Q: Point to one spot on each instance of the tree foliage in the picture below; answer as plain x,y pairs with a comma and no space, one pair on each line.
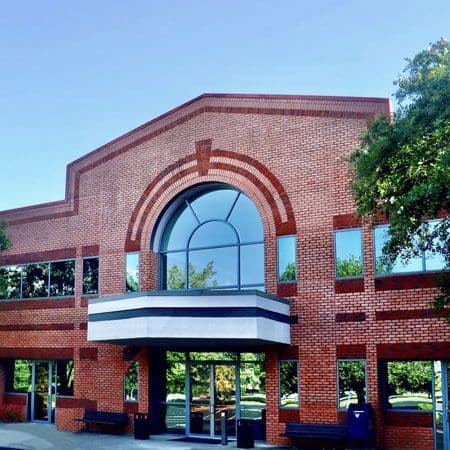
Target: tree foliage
288,273
402,168
176,278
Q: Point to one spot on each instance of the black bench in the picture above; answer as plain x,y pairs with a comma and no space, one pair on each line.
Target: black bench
111,419
303,432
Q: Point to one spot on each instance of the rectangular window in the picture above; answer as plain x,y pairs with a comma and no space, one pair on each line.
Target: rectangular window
35,280
22,375
348,254
352,386
288,379
11,282
90,276
131,384
132,272
287,260
409,385
424,262
62,278
65,377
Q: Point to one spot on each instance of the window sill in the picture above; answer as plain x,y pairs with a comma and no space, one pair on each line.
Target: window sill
37,303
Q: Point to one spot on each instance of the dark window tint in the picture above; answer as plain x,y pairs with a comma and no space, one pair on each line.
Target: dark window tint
131,386
62,278
65,377
10,282
90,276
35,280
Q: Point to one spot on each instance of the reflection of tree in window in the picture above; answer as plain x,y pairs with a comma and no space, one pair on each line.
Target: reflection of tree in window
352,382
409,385
177,279
65,377
350,267
62,278
214,239
90,276
35,280
10,278
131,382
288,384
22,375
289,272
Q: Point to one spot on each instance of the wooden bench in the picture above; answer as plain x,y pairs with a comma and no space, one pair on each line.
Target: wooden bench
111,419
325,433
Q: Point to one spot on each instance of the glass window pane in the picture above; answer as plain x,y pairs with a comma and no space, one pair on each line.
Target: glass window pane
348,258
213,267
213,356
213,233
435,261
179,229
131,385
35,280
90,276
214,204
132,272
381,235
22,375
288,377
176,396
247,221
175,270
253,390
252,264
62,278
352,383
409,385
10,282
65,377
287,267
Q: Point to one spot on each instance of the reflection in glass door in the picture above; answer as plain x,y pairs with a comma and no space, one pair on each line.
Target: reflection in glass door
212,392
225,398
43,397
441,395
200,398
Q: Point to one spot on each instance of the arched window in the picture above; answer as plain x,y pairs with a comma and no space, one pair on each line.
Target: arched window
213,239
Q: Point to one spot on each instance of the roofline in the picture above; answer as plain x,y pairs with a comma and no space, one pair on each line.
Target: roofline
325,98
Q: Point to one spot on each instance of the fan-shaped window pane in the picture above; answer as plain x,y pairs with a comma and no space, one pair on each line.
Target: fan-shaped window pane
213,233
179,229
213,267
214,204
252,264
245,218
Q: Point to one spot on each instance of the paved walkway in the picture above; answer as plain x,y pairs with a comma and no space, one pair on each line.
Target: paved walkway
33,436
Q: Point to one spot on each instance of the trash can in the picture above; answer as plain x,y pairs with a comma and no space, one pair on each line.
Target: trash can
245,434
141,426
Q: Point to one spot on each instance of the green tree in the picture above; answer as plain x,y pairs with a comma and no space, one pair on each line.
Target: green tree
402,168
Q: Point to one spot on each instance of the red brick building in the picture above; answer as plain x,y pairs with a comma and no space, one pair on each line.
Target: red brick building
210,260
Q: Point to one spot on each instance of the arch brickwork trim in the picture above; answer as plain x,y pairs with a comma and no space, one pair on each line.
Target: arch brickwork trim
205,165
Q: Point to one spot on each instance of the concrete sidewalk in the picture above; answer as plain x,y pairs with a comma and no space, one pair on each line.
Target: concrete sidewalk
33,436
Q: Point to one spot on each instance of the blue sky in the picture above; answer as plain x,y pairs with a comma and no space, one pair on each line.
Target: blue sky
76,74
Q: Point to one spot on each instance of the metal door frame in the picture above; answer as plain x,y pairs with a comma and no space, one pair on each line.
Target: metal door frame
51,367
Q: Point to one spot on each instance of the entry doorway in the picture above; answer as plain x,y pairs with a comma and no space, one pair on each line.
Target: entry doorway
200,387
43,391
441,405
212,389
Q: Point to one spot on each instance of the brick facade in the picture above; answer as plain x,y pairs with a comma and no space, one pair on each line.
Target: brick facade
288,154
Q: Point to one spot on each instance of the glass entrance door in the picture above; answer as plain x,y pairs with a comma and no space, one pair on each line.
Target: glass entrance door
212,392
441,396
43,396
